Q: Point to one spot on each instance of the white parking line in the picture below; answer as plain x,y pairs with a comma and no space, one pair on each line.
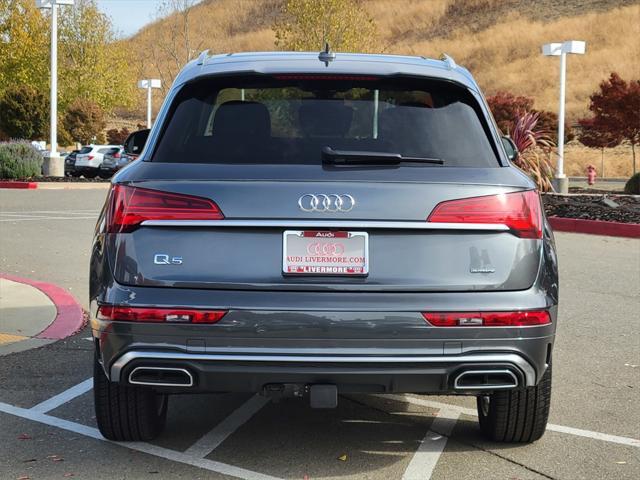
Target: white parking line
425,459
44,214
23,212
64,397
26,219
161,452
421,466
605,437
209,442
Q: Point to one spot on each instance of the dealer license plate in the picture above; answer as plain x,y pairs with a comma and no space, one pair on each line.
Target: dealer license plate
314,252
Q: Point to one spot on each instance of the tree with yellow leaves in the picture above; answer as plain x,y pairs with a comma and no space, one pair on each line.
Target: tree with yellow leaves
23,46
92,64
306,25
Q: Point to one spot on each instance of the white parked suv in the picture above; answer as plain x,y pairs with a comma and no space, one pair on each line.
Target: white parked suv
89,159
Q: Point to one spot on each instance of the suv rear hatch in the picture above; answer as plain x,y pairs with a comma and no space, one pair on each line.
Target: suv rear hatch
238,194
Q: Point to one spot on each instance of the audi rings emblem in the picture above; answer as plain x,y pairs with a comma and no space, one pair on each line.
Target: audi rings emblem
325,249
320,202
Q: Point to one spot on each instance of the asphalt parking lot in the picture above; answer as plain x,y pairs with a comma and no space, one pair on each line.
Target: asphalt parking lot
47,428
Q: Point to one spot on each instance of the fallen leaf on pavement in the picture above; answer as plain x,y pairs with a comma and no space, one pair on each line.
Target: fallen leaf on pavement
343,457
24,436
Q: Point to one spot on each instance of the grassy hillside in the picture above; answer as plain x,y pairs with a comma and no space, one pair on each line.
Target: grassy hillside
498,40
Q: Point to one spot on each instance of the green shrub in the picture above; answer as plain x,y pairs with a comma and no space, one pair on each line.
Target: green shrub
19,160
632,186
24,113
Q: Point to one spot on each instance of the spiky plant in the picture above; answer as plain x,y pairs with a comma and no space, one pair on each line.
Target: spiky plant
534,146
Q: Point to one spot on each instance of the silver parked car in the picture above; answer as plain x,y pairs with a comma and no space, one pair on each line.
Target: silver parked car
307,225
89,159
114,159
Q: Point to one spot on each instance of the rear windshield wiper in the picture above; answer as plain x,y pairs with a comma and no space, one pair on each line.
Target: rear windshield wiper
354,157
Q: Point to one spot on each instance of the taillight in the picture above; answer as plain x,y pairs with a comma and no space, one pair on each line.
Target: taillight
520,211
90,157
116,155
159,315
488,319
130,206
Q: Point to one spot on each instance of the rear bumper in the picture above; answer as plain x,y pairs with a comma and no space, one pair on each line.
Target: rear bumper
365,342
108,168
85,169
383,374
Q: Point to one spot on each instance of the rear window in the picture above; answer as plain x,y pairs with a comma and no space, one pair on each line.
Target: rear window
85,150
289,119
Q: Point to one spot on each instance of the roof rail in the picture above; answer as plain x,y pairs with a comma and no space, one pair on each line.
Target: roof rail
202,57
449,62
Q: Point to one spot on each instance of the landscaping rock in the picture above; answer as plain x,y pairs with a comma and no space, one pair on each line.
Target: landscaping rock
593,207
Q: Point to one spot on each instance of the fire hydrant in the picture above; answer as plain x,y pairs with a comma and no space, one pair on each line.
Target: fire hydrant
591,174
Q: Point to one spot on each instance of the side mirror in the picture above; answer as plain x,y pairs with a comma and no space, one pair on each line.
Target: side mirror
134,144
510,148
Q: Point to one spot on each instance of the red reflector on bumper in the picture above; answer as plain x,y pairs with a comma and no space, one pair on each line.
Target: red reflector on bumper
159,315
487,319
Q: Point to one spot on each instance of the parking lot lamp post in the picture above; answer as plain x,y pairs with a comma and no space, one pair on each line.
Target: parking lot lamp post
149,84
561,182
53,163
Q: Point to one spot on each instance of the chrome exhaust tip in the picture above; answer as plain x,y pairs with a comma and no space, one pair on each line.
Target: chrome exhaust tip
161,377
485,380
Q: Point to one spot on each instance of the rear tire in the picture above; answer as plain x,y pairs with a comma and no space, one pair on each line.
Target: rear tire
518,416
127,413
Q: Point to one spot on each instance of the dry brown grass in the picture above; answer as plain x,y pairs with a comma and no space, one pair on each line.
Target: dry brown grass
506,56
617,161
498,40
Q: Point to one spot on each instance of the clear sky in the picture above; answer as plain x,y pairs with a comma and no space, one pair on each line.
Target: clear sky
129,15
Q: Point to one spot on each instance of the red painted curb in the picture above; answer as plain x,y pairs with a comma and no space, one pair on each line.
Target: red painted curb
69,318
595,227
17,184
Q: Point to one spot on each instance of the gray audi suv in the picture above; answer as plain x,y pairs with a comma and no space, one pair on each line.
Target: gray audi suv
312,225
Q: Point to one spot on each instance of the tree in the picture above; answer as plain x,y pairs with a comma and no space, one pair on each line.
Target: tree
23,41
595,135
24,113
179,45
91,62
117,137
505,107
616,109
84,120
308,24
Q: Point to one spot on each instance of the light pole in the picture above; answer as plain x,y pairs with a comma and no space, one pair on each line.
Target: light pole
149,84
553,50
53,164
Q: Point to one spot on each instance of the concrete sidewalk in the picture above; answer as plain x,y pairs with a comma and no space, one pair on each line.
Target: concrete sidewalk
28,310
